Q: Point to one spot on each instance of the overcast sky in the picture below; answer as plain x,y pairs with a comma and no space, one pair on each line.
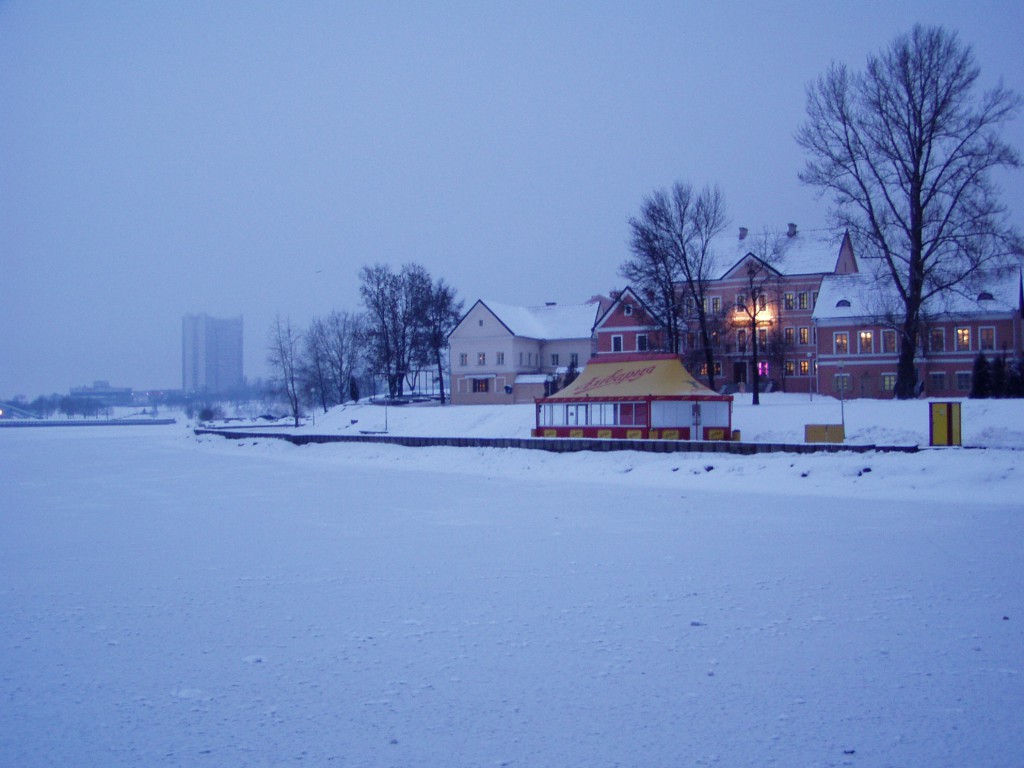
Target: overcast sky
245,158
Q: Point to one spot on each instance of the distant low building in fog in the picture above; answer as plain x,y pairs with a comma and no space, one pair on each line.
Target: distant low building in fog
211,354
103,394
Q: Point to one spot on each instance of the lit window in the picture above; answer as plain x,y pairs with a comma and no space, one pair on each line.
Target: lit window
790,367
805,335
716,304
867,342
805,367
963,339
789,300
803,300
888,382
842,382
841,343
480,385
762,338
762,367
789,336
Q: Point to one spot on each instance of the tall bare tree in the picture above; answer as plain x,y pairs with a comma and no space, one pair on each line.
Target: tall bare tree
441,313
344,334
395,305
907,149
673,259
761,279
283,356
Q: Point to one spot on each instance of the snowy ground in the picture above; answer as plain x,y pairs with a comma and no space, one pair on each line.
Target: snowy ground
173,600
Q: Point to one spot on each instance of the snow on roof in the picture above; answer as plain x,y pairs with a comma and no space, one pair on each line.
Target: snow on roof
551,321
805,253
864,295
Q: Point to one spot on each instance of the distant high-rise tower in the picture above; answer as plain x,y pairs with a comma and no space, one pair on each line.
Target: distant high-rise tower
211,354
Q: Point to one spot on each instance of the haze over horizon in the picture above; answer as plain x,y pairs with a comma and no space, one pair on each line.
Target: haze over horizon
159,160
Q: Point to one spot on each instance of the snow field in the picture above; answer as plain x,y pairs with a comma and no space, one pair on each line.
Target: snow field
173,600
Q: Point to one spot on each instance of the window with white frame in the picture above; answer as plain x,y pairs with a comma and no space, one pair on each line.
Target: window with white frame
805,367
842,382
936,339
867,342
987,338
803,299
641,342
963,339
789,300
936,381
889,342
963,381
554,359
841,342
716,304
481,358
500,358
789,336
463,358
616,343
888,382
805,335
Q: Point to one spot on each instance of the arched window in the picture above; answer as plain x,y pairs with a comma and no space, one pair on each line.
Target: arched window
985,296
843,303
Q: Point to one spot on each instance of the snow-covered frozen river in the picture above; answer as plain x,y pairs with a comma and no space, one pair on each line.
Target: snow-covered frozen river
168,600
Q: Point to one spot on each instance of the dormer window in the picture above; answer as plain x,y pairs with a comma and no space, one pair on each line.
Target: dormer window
985,296
843,303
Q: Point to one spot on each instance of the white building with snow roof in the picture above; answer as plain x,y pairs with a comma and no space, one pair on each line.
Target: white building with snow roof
503,354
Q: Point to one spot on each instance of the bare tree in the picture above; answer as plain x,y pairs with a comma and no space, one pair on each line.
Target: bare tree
761,279
395,305
344,344
907,149
441,313
315,365
283,357
673,259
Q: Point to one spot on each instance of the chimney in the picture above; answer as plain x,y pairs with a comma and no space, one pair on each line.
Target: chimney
792,230
743,233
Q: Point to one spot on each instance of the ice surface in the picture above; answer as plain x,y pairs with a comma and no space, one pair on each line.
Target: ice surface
173,600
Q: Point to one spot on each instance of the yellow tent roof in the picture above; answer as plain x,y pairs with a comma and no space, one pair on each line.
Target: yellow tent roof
634,376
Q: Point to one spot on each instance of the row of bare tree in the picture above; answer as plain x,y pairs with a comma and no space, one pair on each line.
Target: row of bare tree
907,149
403,329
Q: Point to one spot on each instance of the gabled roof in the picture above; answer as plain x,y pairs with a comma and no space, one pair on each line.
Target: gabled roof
627,296
864,295
551,321
805,253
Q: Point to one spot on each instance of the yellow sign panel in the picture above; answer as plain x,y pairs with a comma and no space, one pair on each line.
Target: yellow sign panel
634,434
944,424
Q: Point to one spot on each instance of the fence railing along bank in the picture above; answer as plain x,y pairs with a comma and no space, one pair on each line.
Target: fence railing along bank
565,445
